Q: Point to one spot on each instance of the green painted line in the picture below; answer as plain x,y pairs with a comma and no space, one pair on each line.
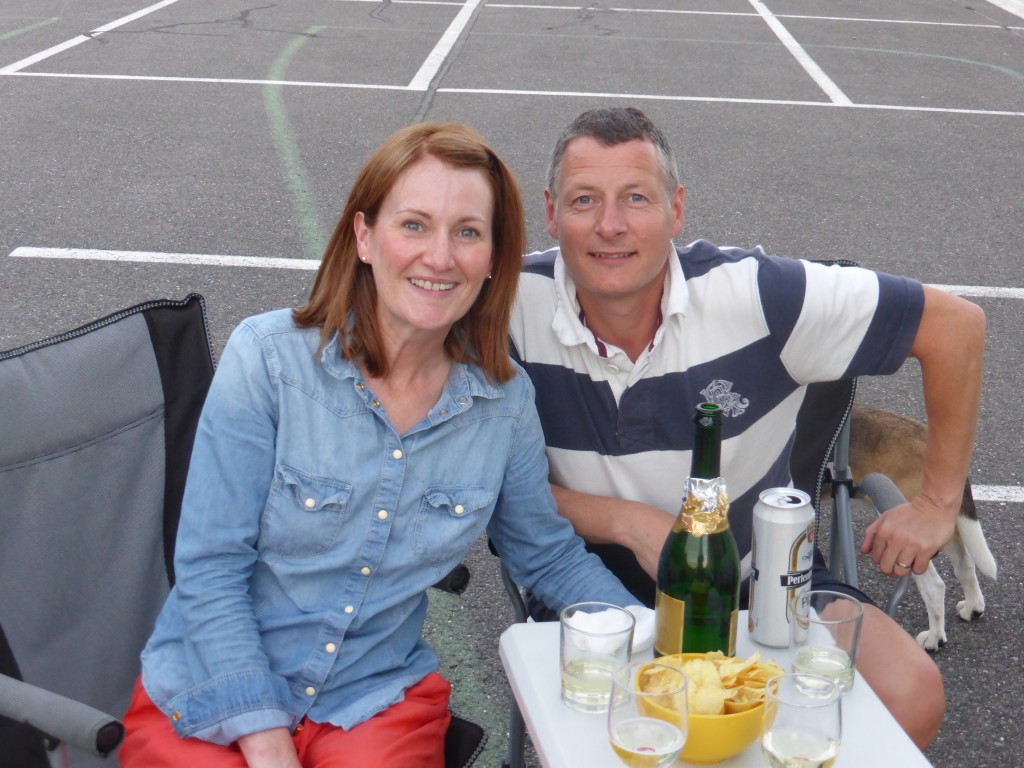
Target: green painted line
29,28
1005,70
313,233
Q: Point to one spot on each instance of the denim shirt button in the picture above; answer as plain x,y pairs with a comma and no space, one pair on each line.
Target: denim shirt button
383,514
376,403
176,717
397,453
310,503
365,570
463,400
311,691
459,509
444,412
330,647
349,609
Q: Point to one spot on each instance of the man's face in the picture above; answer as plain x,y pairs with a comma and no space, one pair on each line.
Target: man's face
614,219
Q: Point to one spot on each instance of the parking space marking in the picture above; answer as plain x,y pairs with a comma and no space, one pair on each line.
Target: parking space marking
27,252
155,257
37,57
726,100
1015,7
215,80
1010,493
434,62
983,291
833,91
436,58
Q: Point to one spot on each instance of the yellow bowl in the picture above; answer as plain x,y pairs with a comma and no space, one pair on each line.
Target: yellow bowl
713,738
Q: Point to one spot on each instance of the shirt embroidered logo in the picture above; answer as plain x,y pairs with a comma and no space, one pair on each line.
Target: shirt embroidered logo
720,393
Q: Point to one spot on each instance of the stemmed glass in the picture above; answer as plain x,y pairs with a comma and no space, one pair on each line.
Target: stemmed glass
647,715
802,722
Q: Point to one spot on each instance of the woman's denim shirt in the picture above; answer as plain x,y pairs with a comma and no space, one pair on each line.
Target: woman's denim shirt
310,532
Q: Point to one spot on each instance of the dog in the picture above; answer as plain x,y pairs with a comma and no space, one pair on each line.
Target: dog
885,442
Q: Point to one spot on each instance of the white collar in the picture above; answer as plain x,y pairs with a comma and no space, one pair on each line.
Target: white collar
566,325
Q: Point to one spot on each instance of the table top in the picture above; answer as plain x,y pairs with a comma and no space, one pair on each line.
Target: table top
565,738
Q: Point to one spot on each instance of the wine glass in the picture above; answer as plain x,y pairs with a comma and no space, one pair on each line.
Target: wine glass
647,715
802,721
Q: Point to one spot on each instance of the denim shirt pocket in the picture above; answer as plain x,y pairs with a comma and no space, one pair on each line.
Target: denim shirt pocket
304,513
449,520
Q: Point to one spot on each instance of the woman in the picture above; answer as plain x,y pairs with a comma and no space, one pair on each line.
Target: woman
348,455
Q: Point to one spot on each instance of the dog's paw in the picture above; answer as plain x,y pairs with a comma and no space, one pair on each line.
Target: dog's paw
932,640
971,609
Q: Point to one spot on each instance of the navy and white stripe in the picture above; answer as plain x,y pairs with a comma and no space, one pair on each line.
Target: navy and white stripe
762,327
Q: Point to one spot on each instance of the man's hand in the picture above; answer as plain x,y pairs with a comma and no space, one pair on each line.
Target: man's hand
949,345
906,538
269,749
603,520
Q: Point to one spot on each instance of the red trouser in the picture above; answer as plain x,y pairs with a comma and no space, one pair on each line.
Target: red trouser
409,734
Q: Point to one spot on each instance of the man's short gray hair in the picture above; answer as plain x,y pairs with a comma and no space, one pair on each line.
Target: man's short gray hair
610,126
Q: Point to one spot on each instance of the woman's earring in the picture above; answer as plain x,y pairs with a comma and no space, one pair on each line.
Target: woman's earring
488,275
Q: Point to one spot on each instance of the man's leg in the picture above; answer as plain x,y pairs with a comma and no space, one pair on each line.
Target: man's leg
902,674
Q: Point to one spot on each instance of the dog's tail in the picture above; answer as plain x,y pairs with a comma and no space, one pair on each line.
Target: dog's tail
969,528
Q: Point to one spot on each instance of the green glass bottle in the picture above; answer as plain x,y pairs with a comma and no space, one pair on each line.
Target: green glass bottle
698,596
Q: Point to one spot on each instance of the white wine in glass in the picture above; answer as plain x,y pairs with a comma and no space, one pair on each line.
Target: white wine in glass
647,716
802,721
817,750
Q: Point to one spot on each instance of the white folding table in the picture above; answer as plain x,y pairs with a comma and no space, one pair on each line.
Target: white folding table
565,738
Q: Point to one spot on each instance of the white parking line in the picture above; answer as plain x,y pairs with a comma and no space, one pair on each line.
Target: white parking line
1010,493
10,69
833,91
984,291
93,254
154,257
430,67
1015,7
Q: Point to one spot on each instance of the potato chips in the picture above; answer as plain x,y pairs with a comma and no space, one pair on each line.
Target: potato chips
719,684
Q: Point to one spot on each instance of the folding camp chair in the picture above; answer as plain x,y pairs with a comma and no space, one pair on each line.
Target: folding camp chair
97,427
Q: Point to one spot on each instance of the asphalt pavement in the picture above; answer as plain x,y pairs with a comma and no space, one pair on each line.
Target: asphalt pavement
890,133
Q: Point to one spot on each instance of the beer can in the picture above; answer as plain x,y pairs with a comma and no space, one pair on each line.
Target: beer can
782,549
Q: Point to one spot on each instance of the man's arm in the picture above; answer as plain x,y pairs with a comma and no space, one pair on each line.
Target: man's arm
949,346
604,520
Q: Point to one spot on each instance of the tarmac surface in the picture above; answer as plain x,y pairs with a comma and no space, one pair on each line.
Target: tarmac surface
140,141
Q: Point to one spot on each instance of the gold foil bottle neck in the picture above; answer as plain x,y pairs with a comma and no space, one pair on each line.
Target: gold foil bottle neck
706,507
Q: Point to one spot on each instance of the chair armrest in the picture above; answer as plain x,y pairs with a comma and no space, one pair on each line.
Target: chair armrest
882,491
62,718
885,495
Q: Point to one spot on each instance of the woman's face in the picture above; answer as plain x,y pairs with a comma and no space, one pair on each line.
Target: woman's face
430,248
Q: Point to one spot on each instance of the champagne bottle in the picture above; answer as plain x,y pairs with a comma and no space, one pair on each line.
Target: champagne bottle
698,595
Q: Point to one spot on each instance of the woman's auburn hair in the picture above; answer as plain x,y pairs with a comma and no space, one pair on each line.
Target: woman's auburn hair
344,296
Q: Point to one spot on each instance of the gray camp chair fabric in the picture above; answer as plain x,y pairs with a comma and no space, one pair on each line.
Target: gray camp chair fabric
97,427
96,432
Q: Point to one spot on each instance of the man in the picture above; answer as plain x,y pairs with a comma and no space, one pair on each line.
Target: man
623,336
